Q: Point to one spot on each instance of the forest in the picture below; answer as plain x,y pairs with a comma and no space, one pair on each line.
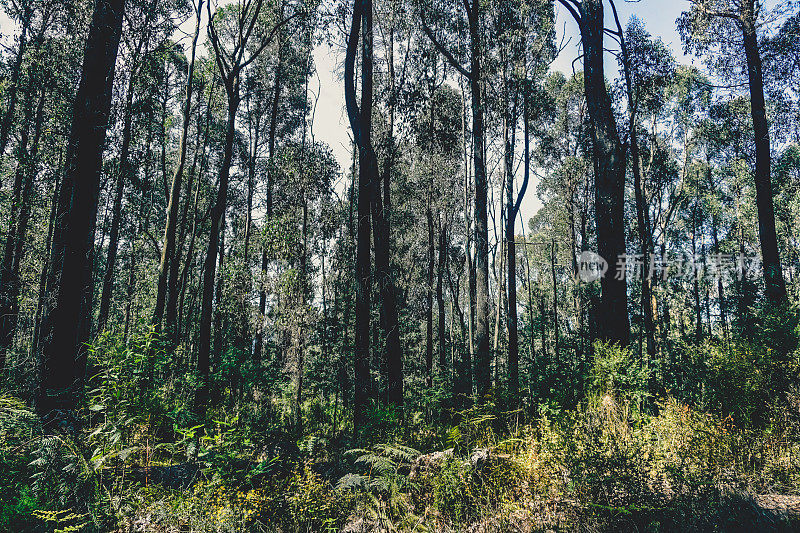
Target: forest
399,266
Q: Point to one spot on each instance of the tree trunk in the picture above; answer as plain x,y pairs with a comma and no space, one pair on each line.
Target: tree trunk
642,216
440,300
482,356
429,301
723,313
556,333
66,318
513,210
210,264
361,124
773,274
168,253
219,303
34,348
393,355
609,167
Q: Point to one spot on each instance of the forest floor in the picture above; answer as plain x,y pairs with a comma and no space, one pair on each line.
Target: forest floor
615,460
604,466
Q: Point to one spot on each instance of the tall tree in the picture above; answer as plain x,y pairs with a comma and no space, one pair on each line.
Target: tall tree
609,168
168,253
231,61
66,317
361,125
713,24
474,12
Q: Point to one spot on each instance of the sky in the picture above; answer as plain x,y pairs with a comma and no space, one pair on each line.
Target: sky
330,122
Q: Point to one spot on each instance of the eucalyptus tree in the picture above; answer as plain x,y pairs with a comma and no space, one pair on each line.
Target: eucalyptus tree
66,317
470,25
230,30
647,67
168,266
724,29
609,158
360,118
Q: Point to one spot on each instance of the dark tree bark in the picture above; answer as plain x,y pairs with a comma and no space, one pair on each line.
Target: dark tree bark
393,359
482,371
441,331
482,355
609,169
66,318
513,209
392,353
556,333
773,273
219,302
361,125
210,264
429,299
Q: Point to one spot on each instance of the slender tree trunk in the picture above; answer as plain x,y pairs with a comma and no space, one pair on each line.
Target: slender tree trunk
361,124
723,313
469,265
440,300
168,253
429,300
696,282
773,273
210,264
66,319
178,281
131,287
642,218
511,264
219,303
513,210
483,374
298,393
392,355
34,348
556,333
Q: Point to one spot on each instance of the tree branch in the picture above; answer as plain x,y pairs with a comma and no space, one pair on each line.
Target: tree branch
349,73
271,36
450,59
573,9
